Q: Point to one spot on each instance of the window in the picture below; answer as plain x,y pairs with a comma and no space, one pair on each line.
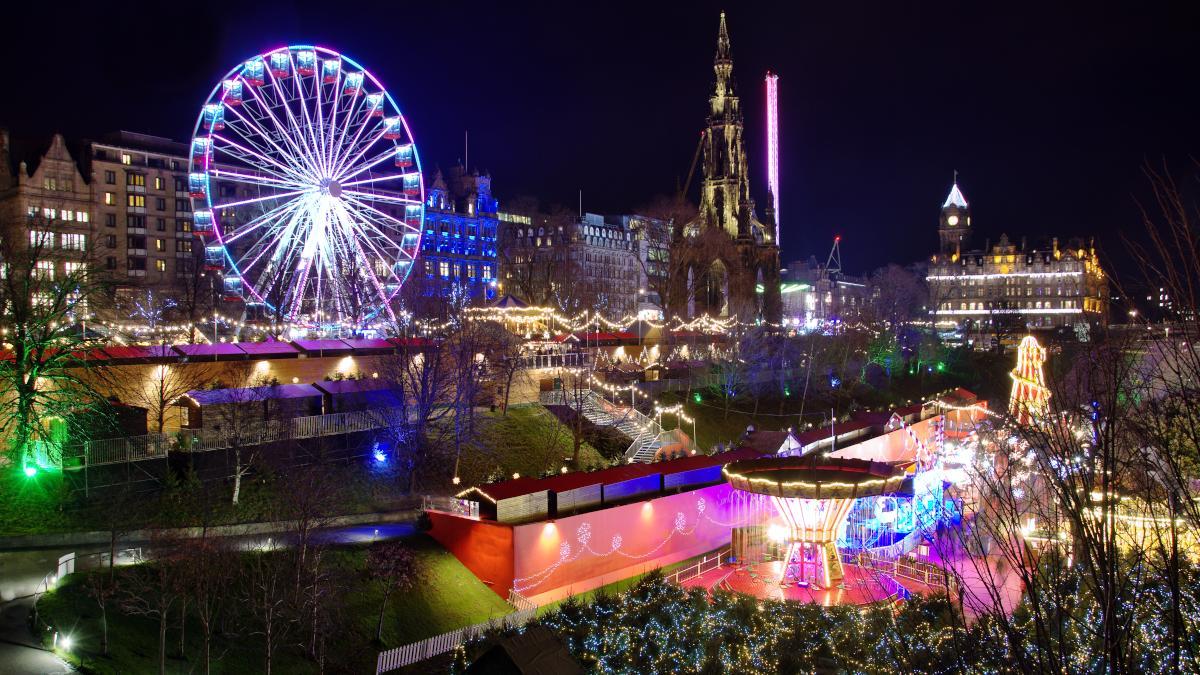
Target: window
183,226
136,263
110,177
183,205
110,241
126,159
160,204
110,263
33,211
158,183
457,269
429,267
73,242
183,246
41,238
444,268
160,244
73,267
110,198
160,265
180,185
135,201
50,213
138,222
135,179
160,224
135,242
44,269
68,215
110,220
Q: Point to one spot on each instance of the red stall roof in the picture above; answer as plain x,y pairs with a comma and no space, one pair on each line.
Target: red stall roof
361,343
577,479
268,348
140,352
412,342
219,349
322,345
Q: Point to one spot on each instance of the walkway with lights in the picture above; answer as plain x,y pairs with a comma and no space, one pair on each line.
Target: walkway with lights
860,586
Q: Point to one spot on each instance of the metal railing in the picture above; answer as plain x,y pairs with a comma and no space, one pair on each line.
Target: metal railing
706,564
156,446
568,360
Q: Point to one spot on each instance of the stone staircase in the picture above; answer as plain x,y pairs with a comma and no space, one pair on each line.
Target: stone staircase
642,431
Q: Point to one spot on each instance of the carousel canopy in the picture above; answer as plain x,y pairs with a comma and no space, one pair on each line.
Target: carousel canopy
811,478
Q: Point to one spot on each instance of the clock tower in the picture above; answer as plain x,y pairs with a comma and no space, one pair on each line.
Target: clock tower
954,227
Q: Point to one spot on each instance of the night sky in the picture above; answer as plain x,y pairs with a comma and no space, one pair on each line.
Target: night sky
1047,110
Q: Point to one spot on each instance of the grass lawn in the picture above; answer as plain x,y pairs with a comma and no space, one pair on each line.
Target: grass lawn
528,440
448,597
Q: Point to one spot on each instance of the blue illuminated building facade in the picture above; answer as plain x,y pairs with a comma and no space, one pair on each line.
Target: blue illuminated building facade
458,246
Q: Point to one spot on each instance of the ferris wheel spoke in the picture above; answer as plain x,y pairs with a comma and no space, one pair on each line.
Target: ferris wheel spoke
339,146
295,149
256,200
264,221
352,165
382,216
385,199
303,105
294,127
367,181
266,137
262,181
262,161
352,149
366,266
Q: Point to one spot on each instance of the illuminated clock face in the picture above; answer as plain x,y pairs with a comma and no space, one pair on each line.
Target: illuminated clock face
952,221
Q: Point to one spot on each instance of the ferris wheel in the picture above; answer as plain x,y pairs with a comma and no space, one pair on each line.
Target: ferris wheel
306,190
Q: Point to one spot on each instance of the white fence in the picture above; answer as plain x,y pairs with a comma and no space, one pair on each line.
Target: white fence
706,564
437,645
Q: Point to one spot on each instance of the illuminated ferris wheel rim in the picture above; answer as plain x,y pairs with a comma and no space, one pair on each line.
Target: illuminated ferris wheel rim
283,145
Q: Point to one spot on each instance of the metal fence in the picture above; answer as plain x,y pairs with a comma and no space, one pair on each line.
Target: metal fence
156,446
437,645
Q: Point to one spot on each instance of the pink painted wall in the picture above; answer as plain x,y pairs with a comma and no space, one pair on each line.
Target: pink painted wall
895,446
571,555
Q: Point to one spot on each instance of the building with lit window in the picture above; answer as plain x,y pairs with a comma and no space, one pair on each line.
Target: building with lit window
143,211
458,246
43,190
1046,286
605,252
814,295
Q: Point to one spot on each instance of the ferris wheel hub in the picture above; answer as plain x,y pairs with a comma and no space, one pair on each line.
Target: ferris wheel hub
331,187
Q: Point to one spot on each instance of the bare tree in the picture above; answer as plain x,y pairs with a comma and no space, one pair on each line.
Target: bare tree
395,566
207,567
421,377
242,419
159,392
266,591
152,587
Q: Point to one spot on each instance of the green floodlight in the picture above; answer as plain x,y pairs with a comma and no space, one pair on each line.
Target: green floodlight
30,471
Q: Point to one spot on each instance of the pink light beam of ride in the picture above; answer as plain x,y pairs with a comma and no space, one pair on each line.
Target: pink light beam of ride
773,145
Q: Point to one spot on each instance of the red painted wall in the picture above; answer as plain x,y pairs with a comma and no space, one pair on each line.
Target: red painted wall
485,548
